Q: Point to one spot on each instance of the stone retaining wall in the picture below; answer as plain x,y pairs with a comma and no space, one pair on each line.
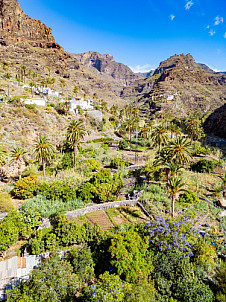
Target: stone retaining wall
108,205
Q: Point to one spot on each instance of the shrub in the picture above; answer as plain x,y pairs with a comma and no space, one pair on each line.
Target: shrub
177,234
109,288
86,192
188,197
203,166
67,161
6,203
92,164
123,144
105,147
117,162
58,190
25,187
32,107
113,120
101,187
51,208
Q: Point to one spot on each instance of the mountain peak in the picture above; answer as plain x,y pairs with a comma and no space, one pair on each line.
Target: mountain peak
16,26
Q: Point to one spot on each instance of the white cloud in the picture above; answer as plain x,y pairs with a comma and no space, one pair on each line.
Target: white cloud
172,17
189,4
218,20
207,26
141,68
225,35
212,32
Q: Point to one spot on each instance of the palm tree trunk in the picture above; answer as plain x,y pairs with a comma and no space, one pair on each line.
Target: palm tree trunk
159,147
44,168
75,153
130,137
195,146
172,207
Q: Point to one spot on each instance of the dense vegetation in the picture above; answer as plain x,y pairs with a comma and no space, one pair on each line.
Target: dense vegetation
169,252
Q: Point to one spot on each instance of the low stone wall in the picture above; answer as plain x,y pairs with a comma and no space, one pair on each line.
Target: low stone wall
108,205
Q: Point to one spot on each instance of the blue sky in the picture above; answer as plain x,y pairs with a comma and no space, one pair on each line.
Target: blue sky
140,33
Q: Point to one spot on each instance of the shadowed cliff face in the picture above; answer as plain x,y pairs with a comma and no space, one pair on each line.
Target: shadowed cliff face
16,26
215,124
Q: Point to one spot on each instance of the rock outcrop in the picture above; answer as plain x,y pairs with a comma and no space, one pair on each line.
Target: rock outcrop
106,64
215,124
16,26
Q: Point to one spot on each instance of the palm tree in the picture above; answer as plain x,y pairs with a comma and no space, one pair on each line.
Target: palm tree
130,125
180,150
8,77
174,186
159,137
76,90
43,150
32,85
114,110
23,72
49,69
17,155
172,168
62,84
75,132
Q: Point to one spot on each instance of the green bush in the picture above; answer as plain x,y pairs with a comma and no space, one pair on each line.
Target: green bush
32,107
117,162
25,187
86,192
67,161
203,166
113,120
102,187
188,197
123,144
57,190
92,164
6,203
105,147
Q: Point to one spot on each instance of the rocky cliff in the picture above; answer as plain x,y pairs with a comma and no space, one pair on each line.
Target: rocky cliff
16,26
106,64
215,124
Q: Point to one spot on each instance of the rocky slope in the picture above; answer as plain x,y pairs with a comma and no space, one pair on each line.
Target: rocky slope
215,124
106,64
196,88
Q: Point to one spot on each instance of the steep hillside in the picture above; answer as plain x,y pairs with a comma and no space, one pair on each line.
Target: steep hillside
196,88
106,65
28,42
215,124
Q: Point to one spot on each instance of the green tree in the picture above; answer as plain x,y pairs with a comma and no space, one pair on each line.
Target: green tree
17,155
76,90
43,150
129,126
53,281
175,186
129,255
180,150
8,77
159,137
62,85
75,132
32,85
23,72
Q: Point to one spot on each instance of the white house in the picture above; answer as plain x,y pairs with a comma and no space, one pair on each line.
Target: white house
84,104
38,102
